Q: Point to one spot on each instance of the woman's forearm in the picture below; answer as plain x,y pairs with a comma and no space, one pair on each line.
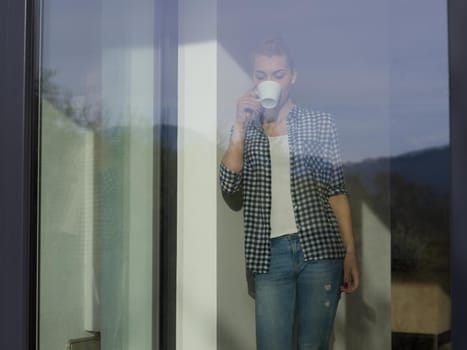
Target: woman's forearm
341,207
233,157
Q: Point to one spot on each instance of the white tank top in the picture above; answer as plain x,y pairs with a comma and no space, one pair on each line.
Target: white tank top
282,214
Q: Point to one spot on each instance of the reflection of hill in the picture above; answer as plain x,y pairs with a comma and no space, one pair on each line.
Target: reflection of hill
428,167
410,194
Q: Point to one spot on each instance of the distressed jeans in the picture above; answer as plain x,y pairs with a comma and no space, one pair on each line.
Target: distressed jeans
308,291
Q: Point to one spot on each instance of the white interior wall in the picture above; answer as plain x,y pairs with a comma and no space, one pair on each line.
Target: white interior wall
372,321
236,310
197,179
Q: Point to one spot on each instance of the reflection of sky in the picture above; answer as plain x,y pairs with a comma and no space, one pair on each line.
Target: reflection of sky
71,43
380,66
419,75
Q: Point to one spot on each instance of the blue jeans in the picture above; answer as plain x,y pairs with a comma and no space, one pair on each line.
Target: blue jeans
308,291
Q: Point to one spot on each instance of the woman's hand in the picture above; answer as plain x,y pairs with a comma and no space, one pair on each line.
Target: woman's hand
351,274
247,106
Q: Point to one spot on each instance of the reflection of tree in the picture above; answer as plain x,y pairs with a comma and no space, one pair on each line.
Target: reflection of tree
417,214
420,228
62,99
49,89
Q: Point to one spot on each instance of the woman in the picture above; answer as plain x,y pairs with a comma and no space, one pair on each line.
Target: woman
298,233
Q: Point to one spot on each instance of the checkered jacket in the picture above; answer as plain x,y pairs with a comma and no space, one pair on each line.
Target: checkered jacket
316,174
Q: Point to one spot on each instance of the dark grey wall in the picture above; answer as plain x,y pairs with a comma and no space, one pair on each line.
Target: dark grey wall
458,104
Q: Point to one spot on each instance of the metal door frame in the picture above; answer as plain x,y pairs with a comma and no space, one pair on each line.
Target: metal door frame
18,175
457,27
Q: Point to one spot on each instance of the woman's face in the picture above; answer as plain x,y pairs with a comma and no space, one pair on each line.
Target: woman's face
274,68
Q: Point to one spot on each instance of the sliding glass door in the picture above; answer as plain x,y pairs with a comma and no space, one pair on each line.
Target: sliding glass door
99,182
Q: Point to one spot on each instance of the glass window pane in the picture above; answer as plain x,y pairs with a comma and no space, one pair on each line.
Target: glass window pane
380,68
98,186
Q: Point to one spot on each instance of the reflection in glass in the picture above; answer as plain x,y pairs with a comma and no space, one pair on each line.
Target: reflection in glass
380,67
419,176
97,182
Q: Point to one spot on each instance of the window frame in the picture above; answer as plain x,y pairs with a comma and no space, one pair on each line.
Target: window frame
18,178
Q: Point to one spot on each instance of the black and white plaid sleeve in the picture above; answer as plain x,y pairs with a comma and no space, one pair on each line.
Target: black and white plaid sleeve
336,178
230,181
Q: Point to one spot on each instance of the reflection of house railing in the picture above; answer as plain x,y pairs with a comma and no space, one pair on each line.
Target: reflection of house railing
87,343
421,314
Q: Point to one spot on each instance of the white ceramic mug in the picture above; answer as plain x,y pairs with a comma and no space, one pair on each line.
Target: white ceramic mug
269,92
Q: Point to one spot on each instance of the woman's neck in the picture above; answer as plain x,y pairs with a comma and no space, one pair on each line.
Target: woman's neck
277,116
275,124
